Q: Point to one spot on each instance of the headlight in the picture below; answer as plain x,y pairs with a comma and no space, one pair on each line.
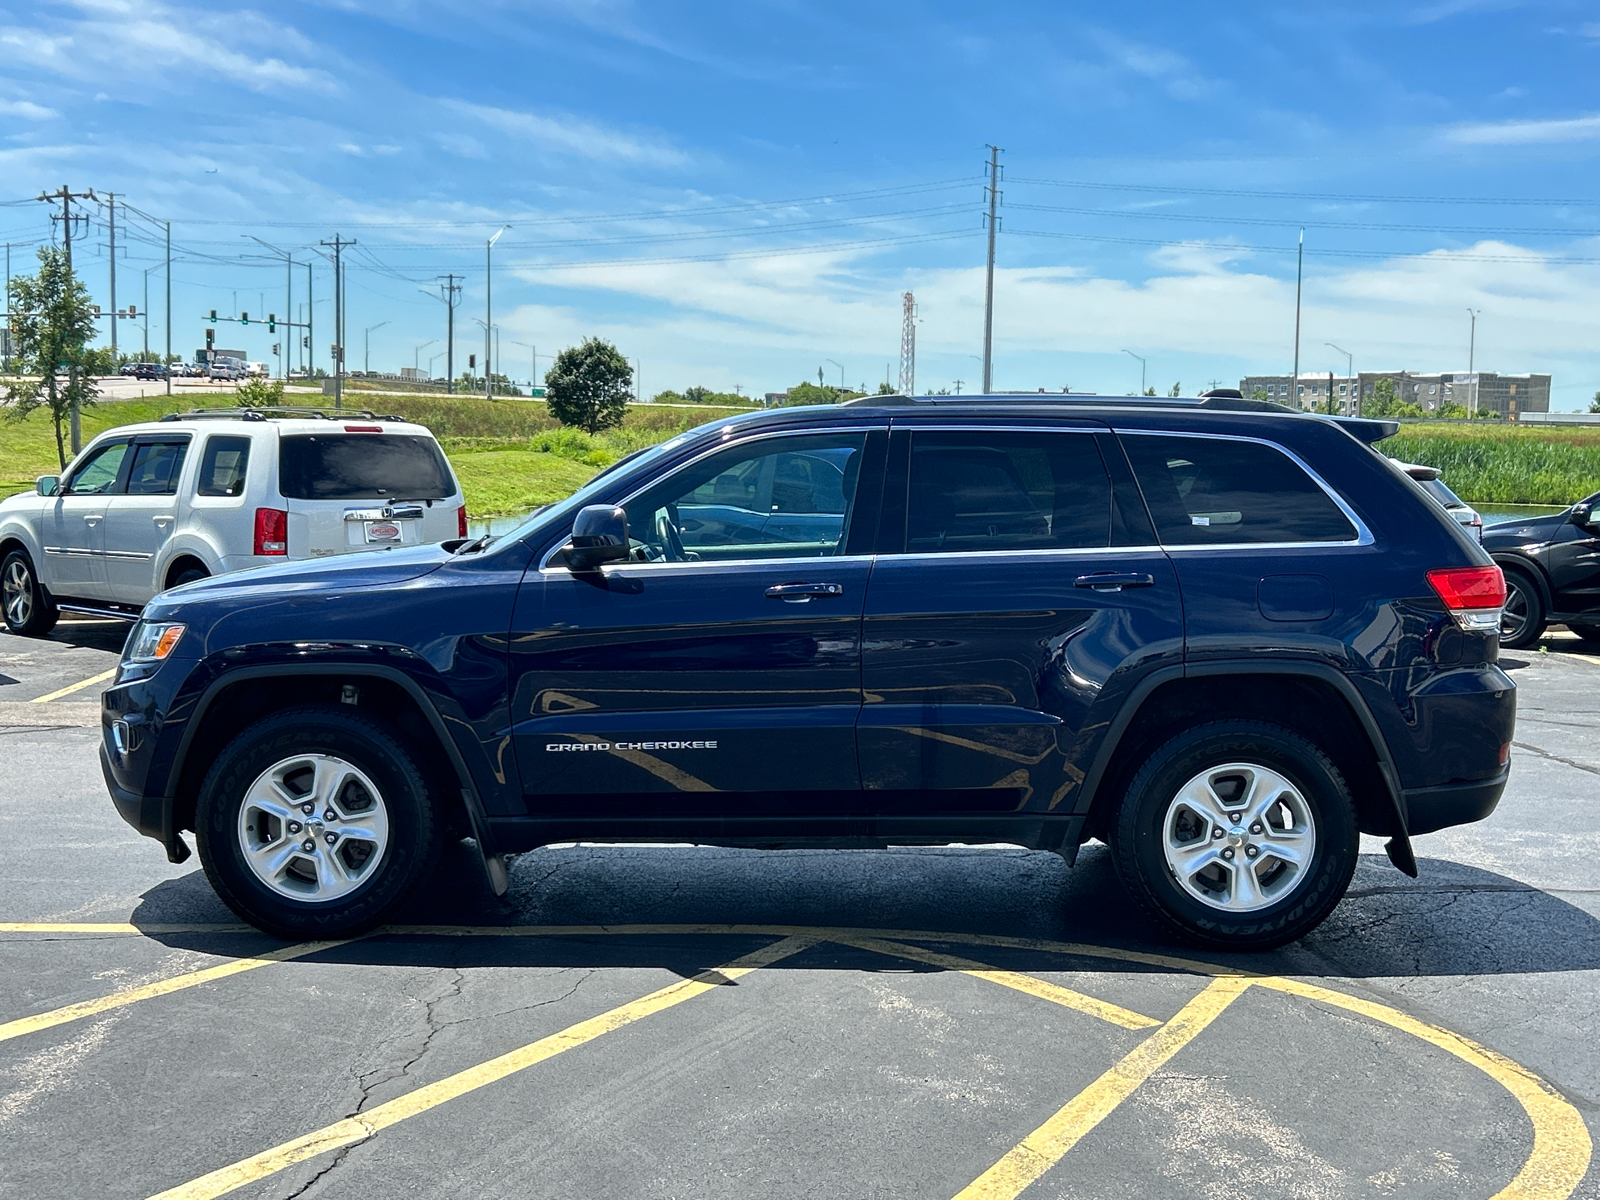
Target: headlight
152,641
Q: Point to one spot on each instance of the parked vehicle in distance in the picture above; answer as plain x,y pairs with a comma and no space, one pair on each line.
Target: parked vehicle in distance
257,370
227,368
1428,478
127,368
147,370
1221,636
152,506
1552,569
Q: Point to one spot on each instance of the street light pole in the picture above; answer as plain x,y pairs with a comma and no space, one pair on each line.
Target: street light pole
366,347
1131,354
488,309
1349,370
533,364
418,349
1299,276
831,363
1472,349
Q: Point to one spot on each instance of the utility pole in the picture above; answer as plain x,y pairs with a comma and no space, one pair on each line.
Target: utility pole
6,365
111,207
169,306
1131,354
310,343
993,191
1472,350
338,245
1299,275
449,291
1330,393
67,197
908,344
146,321
488,310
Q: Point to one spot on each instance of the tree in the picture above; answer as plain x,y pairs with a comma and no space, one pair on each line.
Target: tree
1260,393
589,386
1149,391
1385,402
1594,405
257,392
51,323
887,389
1177,390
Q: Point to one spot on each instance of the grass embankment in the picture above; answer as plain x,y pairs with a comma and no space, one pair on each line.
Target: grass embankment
1505,464
510,455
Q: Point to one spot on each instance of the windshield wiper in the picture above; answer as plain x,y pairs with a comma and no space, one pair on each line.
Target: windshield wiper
476,544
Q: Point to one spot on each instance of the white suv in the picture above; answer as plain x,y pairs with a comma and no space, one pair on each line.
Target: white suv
148,507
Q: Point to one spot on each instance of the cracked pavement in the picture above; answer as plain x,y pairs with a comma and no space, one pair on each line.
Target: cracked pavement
836,1071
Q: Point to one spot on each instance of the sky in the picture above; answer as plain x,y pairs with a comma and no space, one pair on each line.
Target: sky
739,194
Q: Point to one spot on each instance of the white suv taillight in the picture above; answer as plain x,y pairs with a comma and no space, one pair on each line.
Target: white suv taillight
272,531
1473,595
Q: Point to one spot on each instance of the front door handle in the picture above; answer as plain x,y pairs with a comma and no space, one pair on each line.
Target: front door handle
1111,581
800,593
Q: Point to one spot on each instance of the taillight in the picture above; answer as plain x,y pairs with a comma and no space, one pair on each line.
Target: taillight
461,521
272,531
1474,595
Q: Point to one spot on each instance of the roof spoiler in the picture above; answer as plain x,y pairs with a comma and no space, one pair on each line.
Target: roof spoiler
1368,429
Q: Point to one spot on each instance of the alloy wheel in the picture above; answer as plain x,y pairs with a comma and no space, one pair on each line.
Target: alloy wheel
313,828
1514,615
1239,837
16,593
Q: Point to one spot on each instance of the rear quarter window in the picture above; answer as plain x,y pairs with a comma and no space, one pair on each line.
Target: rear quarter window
1207,491
223,466
363,466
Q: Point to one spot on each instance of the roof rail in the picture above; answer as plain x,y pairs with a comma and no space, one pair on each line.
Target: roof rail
288,410
1219,402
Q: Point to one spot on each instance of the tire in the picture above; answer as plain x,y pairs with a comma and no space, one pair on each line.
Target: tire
1589,633
1522,620
192,575
383,825
1308,814
27,607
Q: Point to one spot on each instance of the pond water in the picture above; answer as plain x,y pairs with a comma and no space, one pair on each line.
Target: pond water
1492,513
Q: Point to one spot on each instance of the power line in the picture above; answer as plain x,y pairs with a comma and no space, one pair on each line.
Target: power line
1311,223
1320,196
1457,256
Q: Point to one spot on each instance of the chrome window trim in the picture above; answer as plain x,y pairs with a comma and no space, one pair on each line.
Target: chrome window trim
544,563
701,564
1363,534
1047,554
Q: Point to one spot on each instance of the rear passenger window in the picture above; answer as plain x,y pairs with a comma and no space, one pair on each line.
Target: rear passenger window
982,490
223,467
1215,491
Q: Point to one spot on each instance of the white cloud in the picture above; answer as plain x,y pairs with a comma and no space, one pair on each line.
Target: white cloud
573,135
27,110
1183,82
1524,133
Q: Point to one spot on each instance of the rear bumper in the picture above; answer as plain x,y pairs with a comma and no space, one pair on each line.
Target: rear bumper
1434,808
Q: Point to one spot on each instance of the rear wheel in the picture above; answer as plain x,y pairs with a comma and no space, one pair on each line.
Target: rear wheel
1237,834
1522,619
189,575
314,823
27,608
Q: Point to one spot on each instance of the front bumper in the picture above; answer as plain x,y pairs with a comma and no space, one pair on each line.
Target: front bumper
1433,808
150,815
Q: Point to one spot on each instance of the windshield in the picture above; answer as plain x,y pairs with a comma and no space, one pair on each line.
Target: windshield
562,509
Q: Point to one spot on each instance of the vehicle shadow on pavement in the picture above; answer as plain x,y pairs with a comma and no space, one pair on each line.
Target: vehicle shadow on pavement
91,634
1453,920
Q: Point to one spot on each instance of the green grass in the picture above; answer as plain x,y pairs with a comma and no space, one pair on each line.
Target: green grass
510,455
1504,464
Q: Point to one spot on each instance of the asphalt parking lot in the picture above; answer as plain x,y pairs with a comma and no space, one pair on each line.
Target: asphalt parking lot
682,1022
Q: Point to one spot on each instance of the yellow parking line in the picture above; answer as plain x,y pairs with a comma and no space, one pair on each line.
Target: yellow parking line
1049,1143
75,687
358,1129
162,987
1041,988
1562,1147
122,927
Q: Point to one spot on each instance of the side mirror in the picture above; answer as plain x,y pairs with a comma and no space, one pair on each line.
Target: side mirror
48,485
1580,515
599,536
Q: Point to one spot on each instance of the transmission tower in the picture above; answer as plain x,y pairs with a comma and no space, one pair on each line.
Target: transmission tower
908,347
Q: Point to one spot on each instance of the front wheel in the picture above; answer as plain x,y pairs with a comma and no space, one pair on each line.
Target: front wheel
1237,834
314,823
27,608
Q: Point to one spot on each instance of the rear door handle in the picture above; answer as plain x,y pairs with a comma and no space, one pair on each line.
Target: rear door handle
1110,581
801,592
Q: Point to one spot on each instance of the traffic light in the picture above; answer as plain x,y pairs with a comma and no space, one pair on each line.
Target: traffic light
244,318
211,338
213,316
96,312
133,312
472,362
272,323
305,341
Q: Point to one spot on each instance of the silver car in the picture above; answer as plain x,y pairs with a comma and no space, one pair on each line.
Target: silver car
1428,480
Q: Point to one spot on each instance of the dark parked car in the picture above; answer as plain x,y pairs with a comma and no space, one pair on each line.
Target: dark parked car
1552,567
1220,636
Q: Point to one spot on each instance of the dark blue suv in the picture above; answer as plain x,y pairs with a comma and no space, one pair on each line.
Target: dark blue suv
1222,637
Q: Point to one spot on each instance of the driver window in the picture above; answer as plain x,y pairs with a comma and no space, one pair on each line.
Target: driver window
99,474
784,497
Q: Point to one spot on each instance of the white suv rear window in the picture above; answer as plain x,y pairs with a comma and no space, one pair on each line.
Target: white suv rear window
363,466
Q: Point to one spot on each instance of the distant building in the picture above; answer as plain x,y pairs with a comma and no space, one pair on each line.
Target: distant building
775,399
1488,391
412,374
